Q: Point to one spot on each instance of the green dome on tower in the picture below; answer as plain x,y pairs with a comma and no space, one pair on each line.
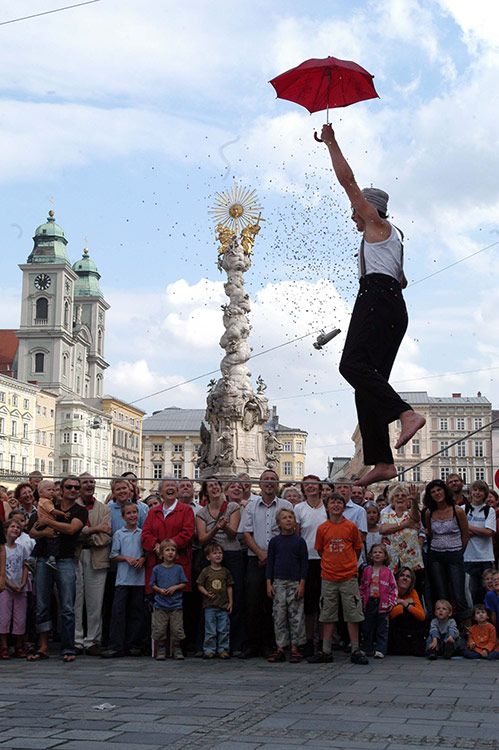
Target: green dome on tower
49,243
50,228
87,283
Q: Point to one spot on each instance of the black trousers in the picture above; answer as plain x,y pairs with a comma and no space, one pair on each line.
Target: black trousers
259,620
377,327
127,619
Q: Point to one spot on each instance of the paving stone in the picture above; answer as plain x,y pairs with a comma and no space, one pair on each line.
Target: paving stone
31,743
85,734
96,745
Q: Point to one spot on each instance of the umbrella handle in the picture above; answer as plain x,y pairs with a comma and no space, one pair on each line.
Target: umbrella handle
319,140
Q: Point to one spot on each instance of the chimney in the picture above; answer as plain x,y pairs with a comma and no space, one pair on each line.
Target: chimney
456,395
275,419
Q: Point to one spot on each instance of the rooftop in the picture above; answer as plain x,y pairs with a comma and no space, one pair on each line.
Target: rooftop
8,349
421,397
176,420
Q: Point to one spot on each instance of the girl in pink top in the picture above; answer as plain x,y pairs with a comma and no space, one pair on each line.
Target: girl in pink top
378,591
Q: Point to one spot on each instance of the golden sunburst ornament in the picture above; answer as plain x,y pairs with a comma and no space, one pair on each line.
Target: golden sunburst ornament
236,208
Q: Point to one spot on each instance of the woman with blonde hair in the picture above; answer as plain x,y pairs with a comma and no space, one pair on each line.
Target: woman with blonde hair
401,533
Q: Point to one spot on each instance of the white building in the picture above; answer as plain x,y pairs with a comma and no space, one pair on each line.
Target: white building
449,420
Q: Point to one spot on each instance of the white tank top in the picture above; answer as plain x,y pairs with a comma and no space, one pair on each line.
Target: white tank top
383,257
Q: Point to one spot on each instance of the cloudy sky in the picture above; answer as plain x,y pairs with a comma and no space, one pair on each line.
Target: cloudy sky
128,116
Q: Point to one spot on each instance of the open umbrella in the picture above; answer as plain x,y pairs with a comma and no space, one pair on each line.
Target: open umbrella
319,84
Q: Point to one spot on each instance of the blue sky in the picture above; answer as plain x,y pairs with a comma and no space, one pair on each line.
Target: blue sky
127,117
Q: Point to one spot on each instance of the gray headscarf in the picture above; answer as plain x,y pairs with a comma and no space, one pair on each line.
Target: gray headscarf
378,198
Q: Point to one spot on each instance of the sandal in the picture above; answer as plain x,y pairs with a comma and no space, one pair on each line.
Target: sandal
20,653
68,658
276,656
37,656
4,654
294,656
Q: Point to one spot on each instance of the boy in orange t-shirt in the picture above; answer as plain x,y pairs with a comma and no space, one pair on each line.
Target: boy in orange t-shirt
339,544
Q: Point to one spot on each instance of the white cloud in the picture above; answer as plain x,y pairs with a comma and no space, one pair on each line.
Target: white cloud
37,136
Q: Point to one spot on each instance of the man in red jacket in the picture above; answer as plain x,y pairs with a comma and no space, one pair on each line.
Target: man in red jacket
170,520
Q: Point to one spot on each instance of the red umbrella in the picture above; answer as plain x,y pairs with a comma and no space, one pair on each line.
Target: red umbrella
319,84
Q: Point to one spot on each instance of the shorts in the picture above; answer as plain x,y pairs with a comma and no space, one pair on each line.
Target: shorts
350,601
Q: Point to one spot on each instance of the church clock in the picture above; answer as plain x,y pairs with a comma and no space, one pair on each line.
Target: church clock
42,281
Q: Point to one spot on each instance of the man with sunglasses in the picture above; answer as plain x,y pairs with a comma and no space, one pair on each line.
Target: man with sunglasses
64,575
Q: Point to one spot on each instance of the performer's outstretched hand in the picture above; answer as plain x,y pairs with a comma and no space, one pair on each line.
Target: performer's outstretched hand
327,134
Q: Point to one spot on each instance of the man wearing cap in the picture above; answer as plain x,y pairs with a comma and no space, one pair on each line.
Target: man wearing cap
378,323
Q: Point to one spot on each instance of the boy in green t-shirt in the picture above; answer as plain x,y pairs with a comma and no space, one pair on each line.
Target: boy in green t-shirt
215,583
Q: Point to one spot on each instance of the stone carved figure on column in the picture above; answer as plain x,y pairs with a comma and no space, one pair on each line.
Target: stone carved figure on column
236,414
272,448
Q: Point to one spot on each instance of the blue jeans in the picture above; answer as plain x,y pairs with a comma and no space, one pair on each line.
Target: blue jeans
65,580
374,628
216,630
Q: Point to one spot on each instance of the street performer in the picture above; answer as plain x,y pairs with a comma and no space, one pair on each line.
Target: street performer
378,323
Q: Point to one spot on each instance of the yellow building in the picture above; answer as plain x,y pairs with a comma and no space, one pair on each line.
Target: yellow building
449,422
126,447
44,433
17,424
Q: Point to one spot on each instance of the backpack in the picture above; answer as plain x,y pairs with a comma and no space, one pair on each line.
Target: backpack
484,509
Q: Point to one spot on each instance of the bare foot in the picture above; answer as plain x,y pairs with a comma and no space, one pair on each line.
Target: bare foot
379,473
411,422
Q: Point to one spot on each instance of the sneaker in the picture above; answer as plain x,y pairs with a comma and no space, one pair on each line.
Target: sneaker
111,653
178,655
320,658
432,655
224,655
359,657
275,656
160,652
378,655
93,650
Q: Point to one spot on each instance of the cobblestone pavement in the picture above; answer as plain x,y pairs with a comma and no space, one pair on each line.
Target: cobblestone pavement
389,705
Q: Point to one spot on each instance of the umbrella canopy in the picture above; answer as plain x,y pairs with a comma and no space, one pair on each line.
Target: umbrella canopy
319,84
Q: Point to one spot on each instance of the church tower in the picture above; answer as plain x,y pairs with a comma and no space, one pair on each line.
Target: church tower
46,345
61,336
89,326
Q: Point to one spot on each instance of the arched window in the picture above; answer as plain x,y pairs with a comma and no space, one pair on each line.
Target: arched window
99,385
39,362
66,314
42,308
64,365
99,341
